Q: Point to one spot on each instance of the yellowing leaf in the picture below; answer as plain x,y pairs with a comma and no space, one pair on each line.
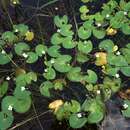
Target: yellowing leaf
101,58
111,31
29,36
55,105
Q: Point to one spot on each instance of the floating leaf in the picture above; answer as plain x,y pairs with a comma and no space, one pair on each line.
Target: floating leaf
81,57
68,43
50,74
5,58
9,36
45,88
84,33
3,88
21,29
85,47
8,101
22,105
21,47
91,77
126,70
75,74
62,63
100,34
65,30
6,120
76,122
40,49
53,51
56,39
107,45
32,57
59,21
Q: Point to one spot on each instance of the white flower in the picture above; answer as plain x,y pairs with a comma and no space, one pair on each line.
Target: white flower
125,106
97,55
107,16
3,52
52,61
117,75
98,91
99,24
45,70
10,108
118,53
79,115
14,2
8,78
85,42
16,30
58,30
43,52
25,55
56,8
22,88
125,13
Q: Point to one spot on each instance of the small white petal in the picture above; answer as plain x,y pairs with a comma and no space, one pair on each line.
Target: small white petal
56,8
25,55
118,53
45,70
125,106
58,30
16,30
99,24
125,13
10,108
107,16
98,92
52,61
22,88
8,78
117,75
79,115
14,2
97,55
85,42
43,52
3,52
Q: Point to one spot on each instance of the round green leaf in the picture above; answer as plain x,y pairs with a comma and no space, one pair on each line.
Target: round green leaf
9,36
99,34
32,57
50,74
40,49
85,47
62,63
56,39
21,47
53,51
7,102
84,33
22,105
76,122
91,77
3,88
5,58
126,70
107,45
6,120
45,87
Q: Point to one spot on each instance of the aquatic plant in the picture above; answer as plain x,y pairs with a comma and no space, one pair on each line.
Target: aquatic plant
61,69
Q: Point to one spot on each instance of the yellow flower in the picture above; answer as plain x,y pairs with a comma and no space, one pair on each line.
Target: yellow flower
56,104
29,36
101,58
111,31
